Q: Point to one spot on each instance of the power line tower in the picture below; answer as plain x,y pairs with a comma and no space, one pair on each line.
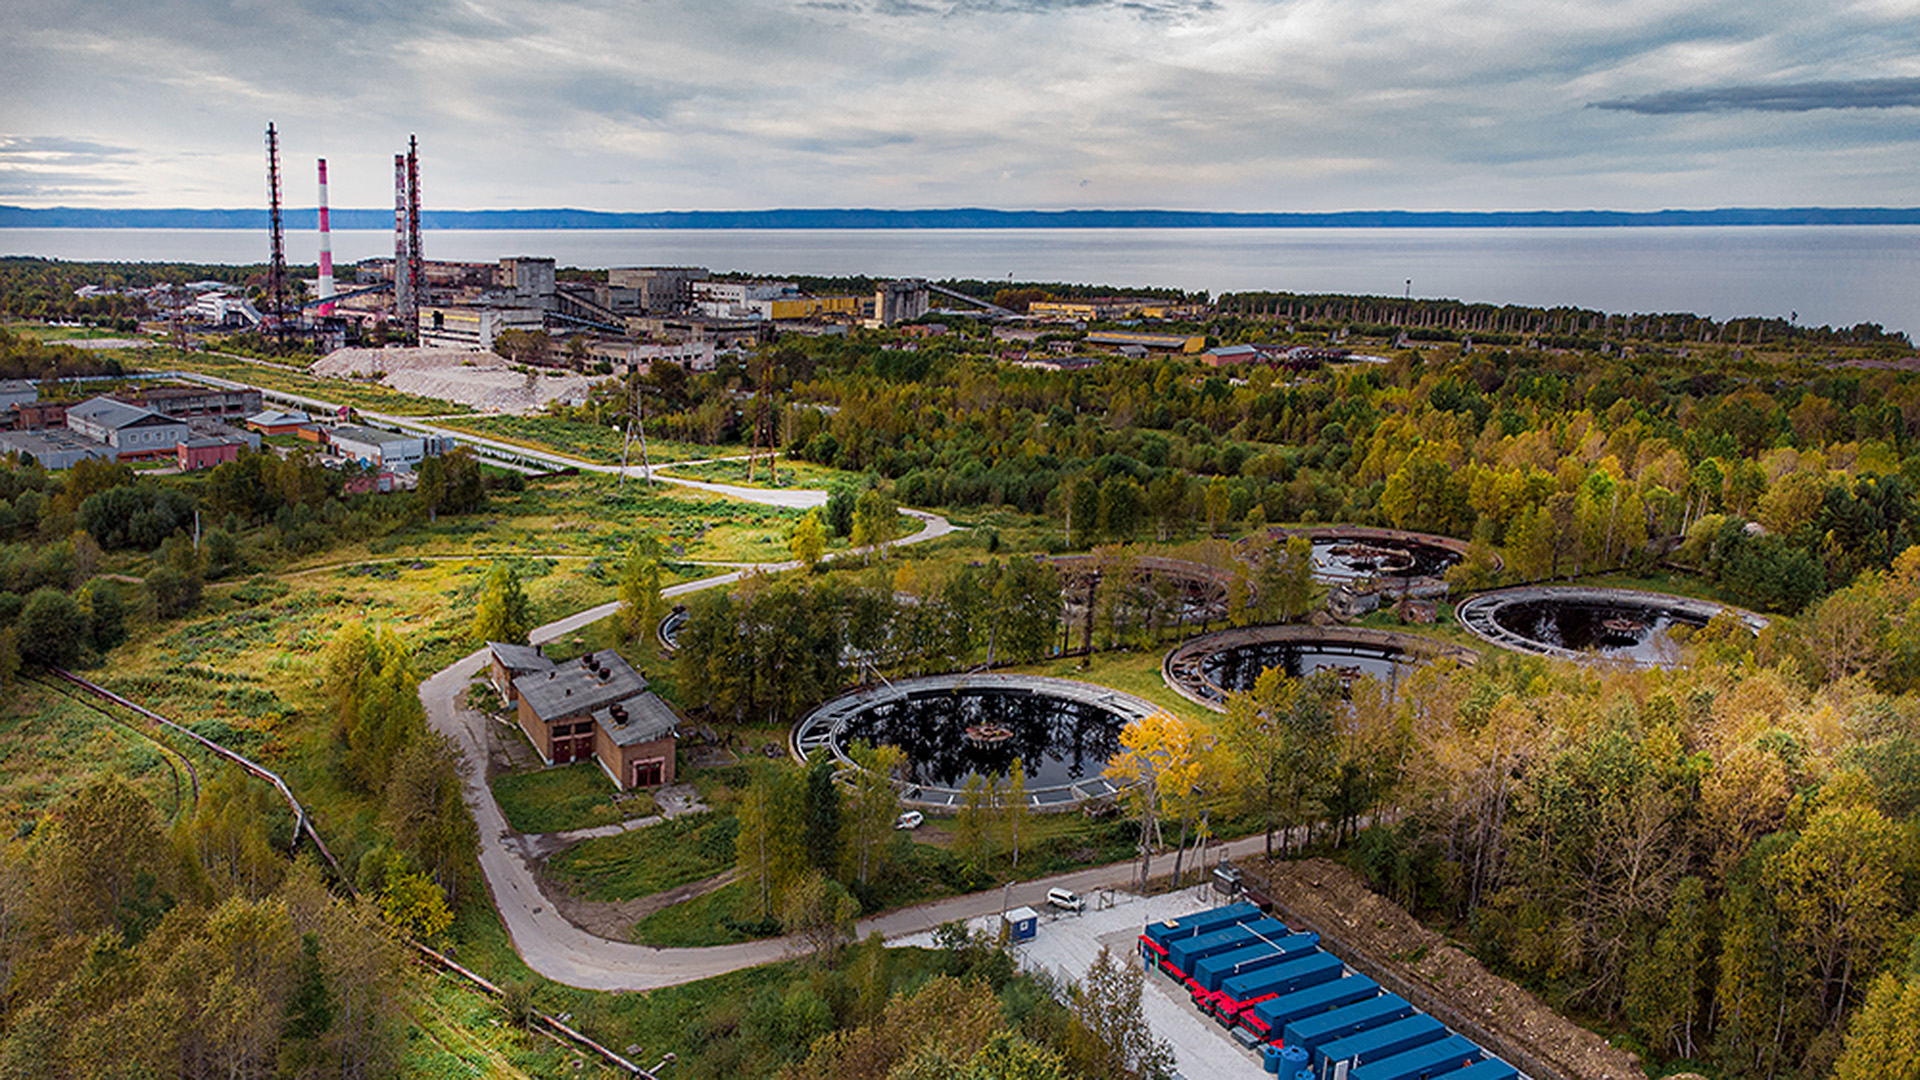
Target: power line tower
277,268
766,419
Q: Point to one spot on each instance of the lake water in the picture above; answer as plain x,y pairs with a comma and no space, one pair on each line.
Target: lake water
1835,275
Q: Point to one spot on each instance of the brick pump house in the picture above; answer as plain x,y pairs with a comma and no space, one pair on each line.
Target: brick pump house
595,707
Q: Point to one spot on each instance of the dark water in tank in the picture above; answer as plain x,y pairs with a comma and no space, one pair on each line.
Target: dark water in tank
1638,632
1237,668
1058,741
1420,560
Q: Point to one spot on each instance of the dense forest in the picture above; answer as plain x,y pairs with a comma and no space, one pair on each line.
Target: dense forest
1721,864
1779,480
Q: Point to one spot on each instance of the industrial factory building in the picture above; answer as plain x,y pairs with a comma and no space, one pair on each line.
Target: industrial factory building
900,301
472,327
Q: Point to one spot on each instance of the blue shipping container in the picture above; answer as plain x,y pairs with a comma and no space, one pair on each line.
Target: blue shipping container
1490,1069
1311,1031
1310,970
1276,1013
1220,967
1434,1059
1183,954
1381,1042
1202,922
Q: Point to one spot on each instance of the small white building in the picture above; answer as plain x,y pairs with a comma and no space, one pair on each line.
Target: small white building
387,451
223,309
740,299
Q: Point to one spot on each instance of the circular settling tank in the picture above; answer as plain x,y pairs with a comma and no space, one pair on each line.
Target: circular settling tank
1208,668
952,728
1613,625
1350,557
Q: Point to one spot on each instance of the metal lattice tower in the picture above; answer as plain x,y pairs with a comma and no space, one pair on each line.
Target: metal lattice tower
416,266
277,268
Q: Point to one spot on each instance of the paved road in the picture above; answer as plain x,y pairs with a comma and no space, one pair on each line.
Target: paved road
562,951
798,498
565,953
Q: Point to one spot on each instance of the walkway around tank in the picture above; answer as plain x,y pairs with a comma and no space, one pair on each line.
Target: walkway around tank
1477,614
1181,669
822,728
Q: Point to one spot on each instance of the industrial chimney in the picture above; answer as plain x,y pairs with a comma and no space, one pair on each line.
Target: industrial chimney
326,247
402,292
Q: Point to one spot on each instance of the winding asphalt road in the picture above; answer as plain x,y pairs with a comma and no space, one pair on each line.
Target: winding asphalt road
565,953
558,949
549,943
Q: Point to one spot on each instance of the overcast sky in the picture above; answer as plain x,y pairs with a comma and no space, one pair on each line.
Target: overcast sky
1012,104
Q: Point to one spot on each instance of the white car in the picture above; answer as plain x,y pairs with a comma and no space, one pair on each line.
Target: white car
909,820
1064,900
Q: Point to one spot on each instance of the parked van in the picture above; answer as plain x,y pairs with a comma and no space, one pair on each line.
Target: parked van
1064,900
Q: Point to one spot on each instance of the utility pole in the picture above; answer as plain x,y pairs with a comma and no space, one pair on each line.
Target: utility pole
637,417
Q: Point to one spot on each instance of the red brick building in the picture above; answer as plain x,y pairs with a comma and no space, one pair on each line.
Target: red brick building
595,707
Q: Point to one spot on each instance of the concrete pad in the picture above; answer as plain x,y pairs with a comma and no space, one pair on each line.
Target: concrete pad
1067,943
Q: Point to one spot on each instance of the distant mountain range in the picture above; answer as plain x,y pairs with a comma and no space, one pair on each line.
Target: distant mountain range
17,217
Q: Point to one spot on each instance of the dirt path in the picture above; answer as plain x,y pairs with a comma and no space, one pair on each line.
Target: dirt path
615,919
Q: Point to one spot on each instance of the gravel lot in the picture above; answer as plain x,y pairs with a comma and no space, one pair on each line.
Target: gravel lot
1067,944
479,379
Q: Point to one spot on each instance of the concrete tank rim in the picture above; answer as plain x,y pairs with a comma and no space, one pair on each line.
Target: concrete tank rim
1426,648
1123,706
1469,613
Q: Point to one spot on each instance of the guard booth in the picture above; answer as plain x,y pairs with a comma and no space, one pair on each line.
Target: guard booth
1020,924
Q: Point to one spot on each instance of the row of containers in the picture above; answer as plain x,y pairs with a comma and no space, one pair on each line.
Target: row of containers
1310,1017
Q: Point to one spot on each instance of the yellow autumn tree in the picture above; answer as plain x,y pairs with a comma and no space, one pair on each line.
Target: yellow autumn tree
1156,762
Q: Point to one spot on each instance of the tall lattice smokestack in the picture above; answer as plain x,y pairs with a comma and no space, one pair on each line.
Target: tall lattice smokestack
277,268
402,281
416,265
326,247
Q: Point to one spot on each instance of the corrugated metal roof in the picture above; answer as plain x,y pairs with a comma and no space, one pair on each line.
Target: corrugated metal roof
117,415
647,718
574,687
520,658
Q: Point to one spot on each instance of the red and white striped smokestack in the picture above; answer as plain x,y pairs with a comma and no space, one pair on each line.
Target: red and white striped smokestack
326,247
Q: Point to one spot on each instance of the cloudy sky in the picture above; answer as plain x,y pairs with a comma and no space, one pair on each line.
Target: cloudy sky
1015,104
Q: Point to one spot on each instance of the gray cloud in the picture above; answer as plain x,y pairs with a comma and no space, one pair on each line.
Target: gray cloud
1778,97
1204,104
56,147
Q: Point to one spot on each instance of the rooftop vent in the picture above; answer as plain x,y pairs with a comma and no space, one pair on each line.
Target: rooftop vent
619,714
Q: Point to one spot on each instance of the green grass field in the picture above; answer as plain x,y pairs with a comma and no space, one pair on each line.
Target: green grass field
589,442
650,860
792,474
713,919
577,796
